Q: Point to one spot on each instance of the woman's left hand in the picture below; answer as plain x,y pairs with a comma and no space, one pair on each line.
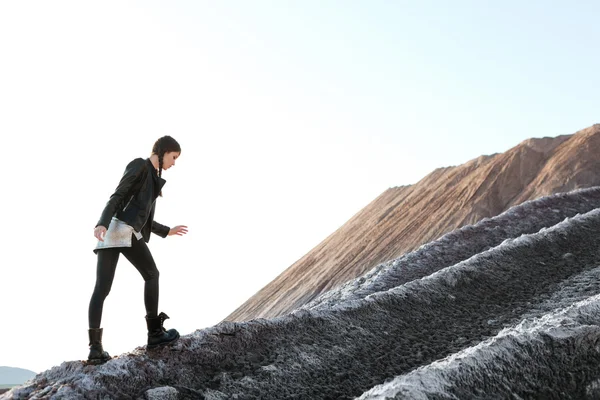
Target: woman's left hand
178,230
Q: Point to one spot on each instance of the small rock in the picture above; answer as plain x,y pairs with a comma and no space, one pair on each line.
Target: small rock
162,393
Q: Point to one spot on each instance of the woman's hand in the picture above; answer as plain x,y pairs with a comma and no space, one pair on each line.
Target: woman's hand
178,230
99,232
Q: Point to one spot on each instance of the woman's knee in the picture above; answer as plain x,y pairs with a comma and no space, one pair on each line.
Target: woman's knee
101,292
152,274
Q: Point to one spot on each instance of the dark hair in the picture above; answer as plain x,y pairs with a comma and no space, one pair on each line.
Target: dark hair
165,144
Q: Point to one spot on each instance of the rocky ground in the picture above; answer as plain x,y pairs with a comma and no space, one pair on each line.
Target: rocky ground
506,308
402,219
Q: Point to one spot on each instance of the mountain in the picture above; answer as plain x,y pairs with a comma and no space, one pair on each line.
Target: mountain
507,307
10,375
14,376
403,218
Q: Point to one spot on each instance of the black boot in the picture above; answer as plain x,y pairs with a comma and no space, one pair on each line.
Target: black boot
97,354
157,335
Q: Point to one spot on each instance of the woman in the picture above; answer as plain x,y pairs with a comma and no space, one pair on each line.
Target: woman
124,227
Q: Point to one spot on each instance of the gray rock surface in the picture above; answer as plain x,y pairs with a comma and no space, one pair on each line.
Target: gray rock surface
456,246
162,393
514,297
550,357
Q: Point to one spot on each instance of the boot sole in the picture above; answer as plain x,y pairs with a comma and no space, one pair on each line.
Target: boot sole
97,361
154,346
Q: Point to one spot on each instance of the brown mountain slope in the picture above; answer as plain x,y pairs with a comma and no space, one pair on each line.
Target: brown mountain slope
403,218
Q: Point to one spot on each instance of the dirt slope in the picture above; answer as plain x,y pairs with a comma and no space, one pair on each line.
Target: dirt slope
403,218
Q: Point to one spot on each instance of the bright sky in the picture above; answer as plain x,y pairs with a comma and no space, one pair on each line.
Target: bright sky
292,116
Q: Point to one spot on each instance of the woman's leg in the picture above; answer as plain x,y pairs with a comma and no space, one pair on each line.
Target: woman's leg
105,273
141,258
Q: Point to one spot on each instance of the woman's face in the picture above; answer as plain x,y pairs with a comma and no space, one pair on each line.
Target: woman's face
169,159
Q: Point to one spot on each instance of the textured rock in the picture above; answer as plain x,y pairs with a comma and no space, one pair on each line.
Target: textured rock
450,249
549,357
162,393
523,303
403,218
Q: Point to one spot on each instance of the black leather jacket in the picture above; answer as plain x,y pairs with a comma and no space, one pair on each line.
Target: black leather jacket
134,199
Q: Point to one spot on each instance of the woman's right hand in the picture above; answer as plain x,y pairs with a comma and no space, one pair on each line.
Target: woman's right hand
99,232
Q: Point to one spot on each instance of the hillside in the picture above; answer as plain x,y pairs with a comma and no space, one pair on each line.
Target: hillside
10,376
403,218
508,307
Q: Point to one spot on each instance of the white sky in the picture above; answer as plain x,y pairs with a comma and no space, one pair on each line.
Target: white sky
292,116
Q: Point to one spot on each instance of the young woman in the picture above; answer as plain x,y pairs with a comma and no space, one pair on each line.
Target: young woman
124,227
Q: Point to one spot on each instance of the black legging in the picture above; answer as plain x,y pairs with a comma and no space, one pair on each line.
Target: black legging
141,258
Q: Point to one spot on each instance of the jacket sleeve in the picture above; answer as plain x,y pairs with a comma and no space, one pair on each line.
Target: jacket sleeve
130,177
160,229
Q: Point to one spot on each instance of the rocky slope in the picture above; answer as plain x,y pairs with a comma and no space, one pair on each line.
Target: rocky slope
403,218
507,308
